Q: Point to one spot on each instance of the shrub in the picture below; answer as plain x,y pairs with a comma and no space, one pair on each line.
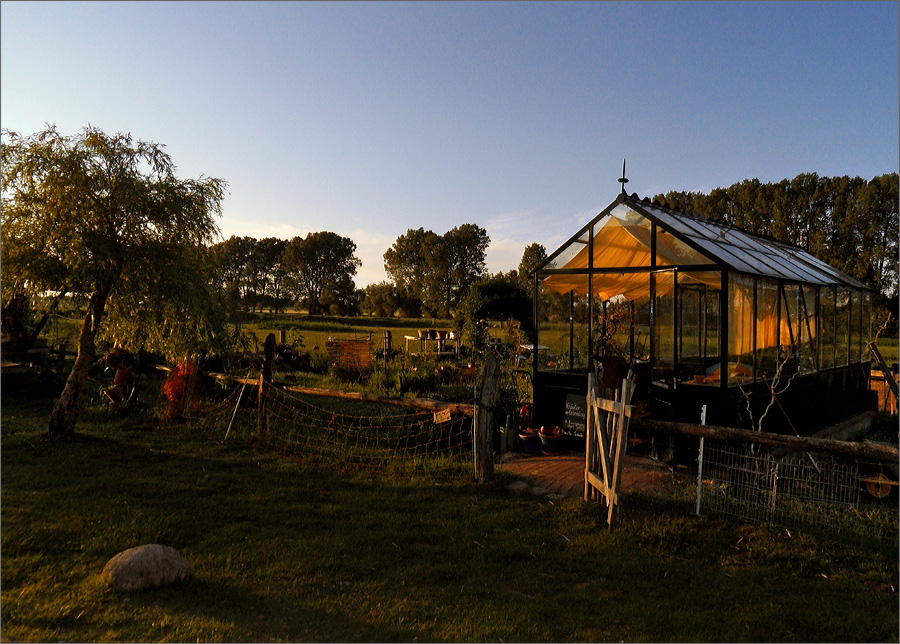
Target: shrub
319,361
385,379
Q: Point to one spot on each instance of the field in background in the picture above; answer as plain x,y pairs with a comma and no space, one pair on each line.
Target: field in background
889,350
317,330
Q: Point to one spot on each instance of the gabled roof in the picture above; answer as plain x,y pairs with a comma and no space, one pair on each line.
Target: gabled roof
724,245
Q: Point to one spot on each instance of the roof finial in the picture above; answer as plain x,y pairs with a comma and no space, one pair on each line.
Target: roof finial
623,180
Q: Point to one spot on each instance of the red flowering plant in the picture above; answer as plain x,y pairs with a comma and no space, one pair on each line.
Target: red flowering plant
182,390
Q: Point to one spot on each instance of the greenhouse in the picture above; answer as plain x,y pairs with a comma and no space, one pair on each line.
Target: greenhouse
706,315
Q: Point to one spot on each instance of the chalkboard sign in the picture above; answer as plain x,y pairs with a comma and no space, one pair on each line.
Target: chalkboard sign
576,415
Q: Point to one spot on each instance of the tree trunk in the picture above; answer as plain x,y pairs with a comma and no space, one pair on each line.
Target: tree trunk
65,412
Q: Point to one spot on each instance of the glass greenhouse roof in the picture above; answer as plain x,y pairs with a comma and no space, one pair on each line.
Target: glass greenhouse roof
697,241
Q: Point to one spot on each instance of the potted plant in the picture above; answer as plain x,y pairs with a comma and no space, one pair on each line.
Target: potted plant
552,438
531,441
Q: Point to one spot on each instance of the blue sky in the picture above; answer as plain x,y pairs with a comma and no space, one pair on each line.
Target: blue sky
370,119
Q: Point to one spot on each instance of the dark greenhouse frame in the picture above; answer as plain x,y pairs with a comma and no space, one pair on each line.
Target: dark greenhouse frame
675,297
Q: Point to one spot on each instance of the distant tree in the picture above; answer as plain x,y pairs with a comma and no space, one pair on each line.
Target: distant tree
453,262
436,270
380,300
341,297
405,264
320,261
466,251
533,256
232,259
268,274
251,271
409,305
879,232
494,298
105,217
437,286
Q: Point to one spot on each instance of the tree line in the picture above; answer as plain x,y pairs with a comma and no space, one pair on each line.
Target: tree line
430,274
315,272
848,222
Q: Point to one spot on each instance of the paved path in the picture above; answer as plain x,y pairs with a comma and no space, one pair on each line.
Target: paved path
564,473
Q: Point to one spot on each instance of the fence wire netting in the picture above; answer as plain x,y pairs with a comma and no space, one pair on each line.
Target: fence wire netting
360,434
806,491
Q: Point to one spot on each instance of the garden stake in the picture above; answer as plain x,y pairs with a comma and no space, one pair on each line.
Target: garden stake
700,460
240,395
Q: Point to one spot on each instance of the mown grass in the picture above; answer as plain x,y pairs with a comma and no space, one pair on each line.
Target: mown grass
889,350
286,550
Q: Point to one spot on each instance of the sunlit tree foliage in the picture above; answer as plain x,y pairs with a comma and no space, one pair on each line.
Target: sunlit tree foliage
105,218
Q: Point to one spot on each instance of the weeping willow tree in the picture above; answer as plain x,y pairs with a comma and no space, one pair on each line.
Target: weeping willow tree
105,218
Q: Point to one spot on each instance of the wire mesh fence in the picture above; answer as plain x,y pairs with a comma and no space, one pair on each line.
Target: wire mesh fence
814,492
358,434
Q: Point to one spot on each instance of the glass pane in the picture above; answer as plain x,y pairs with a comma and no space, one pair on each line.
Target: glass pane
573,256
578,354
807,332
642,328
553,328
826,336
746,253
740,330
698,326
631,286
842,327
855,326
664,327
713,327
671,251
866,322
690,327
790,328
563,323
612,331
622,238
767,327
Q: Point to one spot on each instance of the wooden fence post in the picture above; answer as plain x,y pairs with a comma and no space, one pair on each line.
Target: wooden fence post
265,382
484,422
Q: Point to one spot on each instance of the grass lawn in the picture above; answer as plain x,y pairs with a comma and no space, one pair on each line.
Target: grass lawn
287,550
888,349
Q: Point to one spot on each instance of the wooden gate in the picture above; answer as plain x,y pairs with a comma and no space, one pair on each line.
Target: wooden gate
607,437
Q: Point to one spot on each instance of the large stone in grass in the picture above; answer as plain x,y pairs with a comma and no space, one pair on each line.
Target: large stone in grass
147,566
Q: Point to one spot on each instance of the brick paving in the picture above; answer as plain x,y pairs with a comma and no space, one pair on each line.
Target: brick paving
564,473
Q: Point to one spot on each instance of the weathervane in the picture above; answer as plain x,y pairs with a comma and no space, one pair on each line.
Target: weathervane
623,180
